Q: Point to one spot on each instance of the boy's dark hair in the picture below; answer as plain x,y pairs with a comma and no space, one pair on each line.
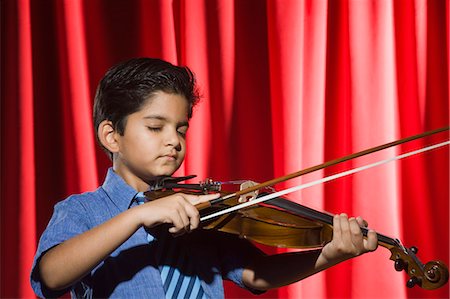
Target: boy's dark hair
128,85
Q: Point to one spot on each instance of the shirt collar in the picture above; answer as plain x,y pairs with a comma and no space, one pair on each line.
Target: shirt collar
118,190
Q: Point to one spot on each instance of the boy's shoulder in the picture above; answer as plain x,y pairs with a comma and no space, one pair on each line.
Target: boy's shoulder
114,192
87,209
82,204
85,199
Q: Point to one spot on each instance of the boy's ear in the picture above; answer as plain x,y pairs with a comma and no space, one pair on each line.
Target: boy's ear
107,136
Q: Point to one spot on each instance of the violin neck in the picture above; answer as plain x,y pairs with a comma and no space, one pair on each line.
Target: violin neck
383,240
324,217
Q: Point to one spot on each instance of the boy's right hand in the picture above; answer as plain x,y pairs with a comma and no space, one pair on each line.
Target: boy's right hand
177,209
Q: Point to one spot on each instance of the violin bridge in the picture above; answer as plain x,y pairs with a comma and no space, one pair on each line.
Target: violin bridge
248,196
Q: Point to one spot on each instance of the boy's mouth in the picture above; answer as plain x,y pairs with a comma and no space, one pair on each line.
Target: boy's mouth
171,157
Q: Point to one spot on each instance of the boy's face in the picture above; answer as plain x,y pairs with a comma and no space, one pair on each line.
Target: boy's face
153,142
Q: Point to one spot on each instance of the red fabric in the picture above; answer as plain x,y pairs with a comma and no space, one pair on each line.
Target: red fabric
286,85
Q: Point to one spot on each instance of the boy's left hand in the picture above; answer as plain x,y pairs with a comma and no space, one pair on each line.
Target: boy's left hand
348,240
265,272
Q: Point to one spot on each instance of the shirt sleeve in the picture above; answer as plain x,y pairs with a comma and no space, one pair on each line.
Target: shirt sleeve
236,253
70,218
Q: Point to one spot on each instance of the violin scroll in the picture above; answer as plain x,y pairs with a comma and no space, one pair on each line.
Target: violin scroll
436,272
430,276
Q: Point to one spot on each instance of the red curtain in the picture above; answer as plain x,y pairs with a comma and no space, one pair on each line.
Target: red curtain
286,85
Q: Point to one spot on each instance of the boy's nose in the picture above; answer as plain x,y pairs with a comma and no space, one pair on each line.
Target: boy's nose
173,138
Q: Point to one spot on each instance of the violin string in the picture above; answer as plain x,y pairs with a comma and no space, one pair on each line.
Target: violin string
320,181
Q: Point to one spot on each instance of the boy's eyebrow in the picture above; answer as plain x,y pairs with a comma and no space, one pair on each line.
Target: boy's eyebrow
159,117
155,117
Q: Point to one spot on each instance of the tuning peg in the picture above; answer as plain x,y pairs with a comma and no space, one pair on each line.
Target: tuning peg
412,282
399,265
414,249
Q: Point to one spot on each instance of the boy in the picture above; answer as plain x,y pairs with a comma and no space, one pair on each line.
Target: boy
106,244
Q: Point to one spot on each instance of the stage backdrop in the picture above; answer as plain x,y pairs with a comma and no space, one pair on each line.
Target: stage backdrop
286,85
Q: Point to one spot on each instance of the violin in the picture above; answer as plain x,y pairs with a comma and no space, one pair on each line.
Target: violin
259,214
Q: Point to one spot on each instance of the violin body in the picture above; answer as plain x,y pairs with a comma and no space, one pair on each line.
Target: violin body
270,226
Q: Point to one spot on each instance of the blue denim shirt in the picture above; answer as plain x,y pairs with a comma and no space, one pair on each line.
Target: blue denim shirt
131,270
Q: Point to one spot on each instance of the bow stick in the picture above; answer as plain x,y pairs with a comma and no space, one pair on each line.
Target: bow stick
323,180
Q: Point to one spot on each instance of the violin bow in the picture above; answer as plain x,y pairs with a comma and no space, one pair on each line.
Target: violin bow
328,164
310,184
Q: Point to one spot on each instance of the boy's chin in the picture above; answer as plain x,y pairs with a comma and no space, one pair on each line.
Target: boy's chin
167,171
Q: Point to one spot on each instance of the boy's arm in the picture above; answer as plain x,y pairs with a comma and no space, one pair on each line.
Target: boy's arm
282,269
69,261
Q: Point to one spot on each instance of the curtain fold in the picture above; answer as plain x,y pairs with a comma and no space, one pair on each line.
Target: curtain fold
18,217
286,85
75,98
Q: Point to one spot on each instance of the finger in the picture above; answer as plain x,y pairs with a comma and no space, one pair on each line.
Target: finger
177,224
357,236
178,217
185,221
352,237
188,214
362,222
175,231
371,243
355,228
345,228
196,199
337,232
193,215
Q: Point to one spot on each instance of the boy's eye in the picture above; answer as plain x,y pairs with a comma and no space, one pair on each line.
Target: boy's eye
155,129
182,131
